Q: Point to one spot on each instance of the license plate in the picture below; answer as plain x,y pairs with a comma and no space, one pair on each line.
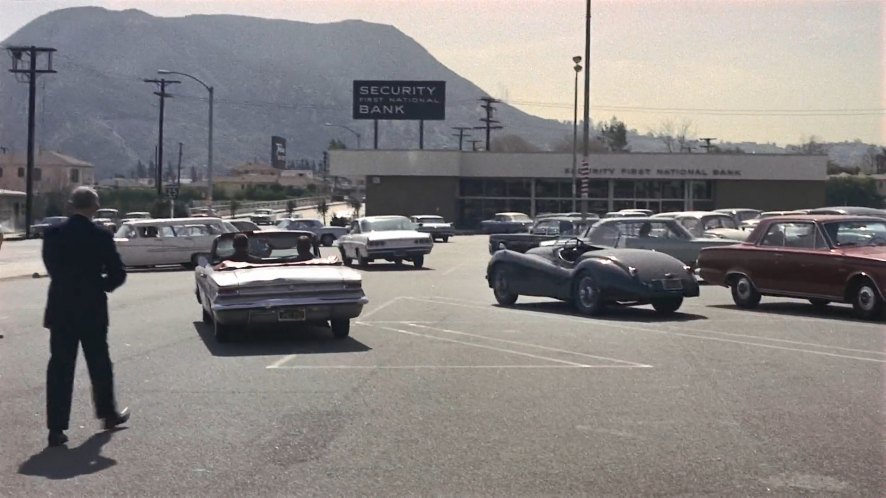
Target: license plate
671,284
291,315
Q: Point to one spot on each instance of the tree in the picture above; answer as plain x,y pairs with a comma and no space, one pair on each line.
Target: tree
152,170
140,170
869,160
811,146
511,143
290,207
716,149
336,144
356,204
194,176
616,134
235,205
674,136
853,191
322,209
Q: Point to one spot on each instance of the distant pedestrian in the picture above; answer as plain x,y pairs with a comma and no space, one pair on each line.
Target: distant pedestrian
305,248
83,264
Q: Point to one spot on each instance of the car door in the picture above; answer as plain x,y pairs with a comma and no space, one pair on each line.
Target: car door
347,241
767,271
807,267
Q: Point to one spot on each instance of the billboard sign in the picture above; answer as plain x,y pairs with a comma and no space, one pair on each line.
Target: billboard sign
278,152
400,100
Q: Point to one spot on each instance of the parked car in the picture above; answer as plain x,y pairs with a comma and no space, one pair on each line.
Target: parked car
752,223
275,289
106,223
242,225
434,225
135,215
628,213
816,257
506,223
657,234
850,210
178,241
392,238
740,214
592,277
703,224
326,234
38,229
548,228
262,217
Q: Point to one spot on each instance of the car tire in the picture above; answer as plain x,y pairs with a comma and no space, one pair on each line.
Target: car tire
445,238
586,295
207,316
327,240
819,304
398,261
501,287
363,261
744,294
667,306
340,328
418,261
866,301
222,333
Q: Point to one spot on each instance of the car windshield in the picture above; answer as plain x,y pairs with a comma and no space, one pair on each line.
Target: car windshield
274,247
856,233
386,224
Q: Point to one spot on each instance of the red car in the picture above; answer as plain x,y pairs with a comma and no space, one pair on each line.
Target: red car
816,257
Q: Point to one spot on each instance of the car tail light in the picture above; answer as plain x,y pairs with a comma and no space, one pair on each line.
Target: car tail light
353,285
224,291
422,241
376,243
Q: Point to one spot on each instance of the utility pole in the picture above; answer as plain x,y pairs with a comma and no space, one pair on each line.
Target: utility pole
162,82
179,182
707,146
490,124
461,134
585,163
31,72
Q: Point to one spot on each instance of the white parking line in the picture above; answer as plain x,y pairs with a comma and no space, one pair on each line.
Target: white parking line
481,346
621,327
437,367
530,345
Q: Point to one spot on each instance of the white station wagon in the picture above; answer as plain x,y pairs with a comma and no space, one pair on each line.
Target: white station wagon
392,238
176,241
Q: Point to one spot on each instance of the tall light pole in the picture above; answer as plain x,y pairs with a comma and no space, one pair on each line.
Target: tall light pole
577,68
211,91
585,166
349,129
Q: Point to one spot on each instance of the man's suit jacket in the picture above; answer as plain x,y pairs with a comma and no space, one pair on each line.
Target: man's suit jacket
84,265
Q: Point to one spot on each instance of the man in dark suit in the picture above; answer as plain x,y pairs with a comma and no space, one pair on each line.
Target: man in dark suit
84,266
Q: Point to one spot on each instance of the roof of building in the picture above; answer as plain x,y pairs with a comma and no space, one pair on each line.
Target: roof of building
44,158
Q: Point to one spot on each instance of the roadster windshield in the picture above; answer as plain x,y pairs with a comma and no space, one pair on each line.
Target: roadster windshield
386,224
857,233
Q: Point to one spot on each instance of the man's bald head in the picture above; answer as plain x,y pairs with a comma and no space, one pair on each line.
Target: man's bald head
84,201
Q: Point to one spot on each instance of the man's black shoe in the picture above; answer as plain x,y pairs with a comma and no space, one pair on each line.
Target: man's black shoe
57,438
117,419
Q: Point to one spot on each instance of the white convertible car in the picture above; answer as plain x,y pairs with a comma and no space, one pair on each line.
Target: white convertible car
392,238
177,241
275,286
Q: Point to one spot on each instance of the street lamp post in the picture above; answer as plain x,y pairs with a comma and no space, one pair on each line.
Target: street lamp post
585,166
356,134
577,68
211,91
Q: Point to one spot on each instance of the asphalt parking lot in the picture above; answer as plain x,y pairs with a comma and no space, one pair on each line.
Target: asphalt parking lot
440,391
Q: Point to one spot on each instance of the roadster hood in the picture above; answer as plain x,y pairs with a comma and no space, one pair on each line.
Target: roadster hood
280,275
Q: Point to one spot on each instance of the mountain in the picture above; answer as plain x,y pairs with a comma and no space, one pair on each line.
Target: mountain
271,77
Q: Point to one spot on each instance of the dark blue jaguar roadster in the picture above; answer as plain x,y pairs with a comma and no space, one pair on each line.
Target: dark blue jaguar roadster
592,277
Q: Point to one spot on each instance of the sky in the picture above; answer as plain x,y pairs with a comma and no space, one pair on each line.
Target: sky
768,71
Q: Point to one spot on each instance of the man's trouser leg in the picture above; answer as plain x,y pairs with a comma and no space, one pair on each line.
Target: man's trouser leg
98,360
60,377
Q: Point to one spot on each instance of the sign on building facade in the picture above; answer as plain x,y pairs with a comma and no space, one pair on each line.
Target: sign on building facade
399,100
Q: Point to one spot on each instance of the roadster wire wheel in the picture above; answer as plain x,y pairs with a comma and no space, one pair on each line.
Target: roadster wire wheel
586,295
502,289
744,294
867,303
